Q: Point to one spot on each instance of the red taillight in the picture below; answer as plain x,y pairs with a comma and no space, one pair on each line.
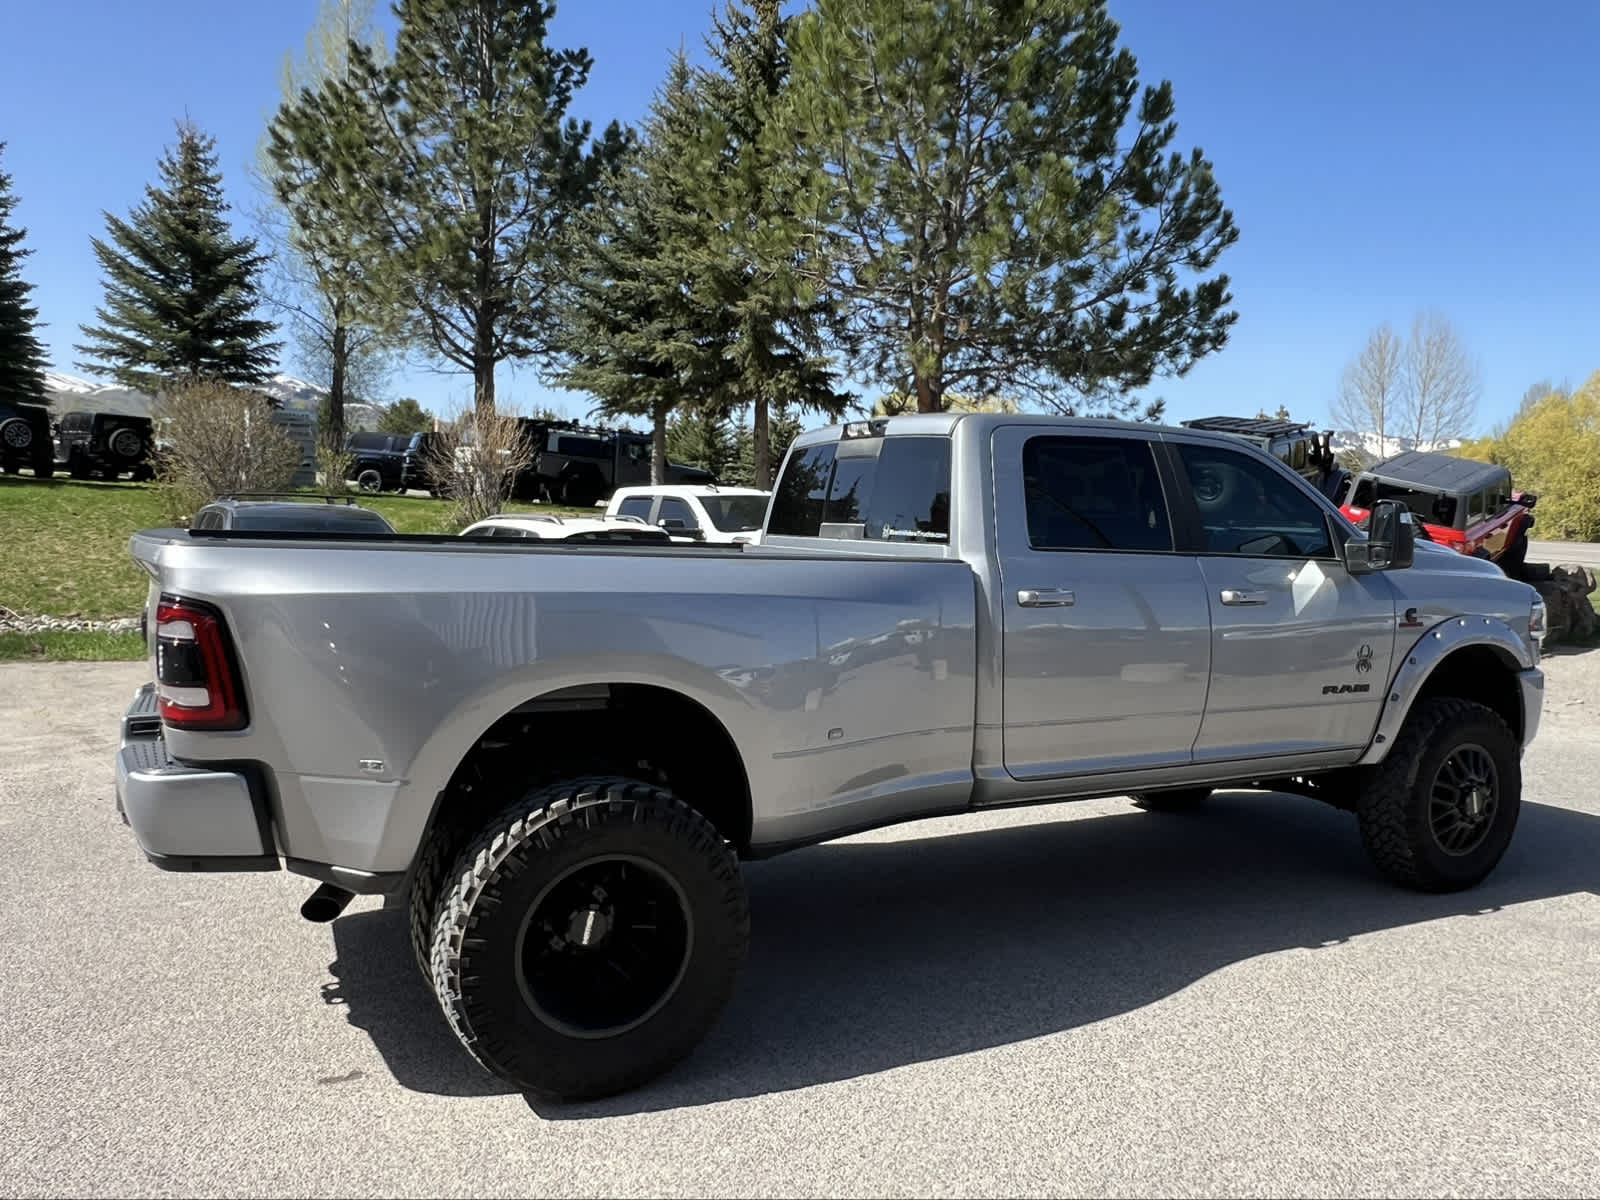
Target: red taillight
197,679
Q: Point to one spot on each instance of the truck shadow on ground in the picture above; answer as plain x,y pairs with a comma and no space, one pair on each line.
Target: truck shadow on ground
868,956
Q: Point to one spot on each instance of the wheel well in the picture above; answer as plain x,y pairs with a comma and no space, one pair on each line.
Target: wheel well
617,728
1482,674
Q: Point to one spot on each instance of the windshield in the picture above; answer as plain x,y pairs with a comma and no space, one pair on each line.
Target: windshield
733,514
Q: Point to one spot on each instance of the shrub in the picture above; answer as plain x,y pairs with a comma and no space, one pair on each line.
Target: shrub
474,463
1552,448
215,439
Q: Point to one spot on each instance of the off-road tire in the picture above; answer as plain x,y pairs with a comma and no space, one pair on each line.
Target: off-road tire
126,443
528,853
1394,807
16,435
1174,800
1515,556
369,480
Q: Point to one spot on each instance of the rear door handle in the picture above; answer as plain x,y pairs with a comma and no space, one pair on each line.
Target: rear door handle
1236,596
1046,598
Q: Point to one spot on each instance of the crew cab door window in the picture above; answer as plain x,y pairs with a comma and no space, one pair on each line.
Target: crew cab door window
636,506
1094,494
1106,635
1247,507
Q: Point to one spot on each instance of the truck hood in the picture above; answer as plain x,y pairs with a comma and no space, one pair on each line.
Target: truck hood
1432,557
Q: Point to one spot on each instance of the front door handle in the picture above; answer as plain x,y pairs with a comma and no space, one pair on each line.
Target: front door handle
1046,598
1236,596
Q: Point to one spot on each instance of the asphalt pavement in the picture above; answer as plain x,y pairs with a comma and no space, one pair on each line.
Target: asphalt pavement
1587,553
1081,999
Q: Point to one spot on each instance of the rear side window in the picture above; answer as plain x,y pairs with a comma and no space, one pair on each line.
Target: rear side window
881,489
635,506
582,447
1091,493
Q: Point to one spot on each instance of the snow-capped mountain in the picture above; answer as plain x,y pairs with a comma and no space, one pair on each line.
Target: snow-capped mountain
1374,448
69,392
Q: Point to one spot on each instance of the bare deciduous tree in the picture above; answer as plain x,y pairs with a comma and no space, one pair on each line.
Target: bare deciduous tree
218,439
1440,397
1369,392
474,462
1423,389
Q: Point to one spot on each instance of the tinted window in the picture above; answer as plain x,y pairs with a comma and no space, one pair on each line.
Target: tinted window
1094,494
1477,506
582,447
733,514
313,520
797,500
1247,507
1425,506
883,489
635,506
673,509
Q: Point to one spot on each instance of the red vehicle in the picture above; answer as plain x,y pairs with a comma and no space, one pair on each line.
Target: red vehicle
1466,505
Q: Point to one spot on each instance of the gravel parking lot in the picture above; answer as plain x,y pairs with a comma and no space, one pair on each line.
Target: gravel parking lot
1071,1000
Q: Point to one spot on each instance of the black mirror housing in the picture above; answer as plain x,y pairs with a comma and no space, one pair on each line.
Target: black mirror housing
1391,540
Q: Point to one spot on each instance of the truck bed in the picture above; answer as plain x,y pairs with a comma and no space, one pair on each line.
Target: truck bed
844,679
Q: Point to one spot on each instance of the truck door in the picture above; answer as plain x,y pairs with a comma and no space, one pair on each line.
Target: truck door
1106,637
1301,649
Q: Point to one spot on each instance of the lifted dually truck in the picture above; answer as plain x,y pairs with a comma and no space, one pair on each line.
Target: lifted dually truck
557,755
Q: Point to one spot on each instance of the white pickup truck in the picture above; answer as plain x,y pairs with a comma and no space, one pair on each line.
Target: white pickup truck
558,754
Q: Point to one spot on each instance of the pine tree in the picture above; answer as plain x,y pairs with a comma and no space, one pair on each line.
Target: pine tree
22,360
701,437
635,334
472,170
785,426
179,287
1000,208
750,259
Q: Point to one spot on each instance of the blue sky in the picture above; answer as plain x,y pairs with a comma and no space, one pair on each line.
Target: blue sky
1380,158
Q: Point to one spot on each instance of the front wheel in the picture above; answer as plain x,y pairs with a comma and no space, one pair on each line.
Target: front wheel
1438,813
589,938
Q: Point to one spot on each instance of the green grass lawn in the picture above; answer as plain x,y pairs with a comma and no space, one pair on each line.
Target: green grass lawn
64,543
70,647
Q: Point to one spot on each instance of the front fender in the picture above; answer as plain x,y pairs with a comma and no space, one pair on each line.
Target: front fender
1419,662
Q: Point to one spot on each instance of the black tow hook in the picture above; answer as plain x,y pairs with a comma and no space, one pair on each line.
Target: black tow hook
326,903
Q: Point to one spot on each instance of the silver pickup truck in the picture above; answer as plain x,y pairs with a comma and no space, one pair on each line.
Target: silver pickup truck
557,755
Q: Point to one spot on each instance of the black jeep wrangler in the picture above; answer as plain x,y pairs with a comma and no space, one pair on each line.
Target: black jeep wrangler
105,445
1307,450
25,439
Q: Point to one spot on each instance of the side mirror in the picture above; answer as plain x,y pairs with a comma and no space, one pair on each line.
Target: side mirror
678,525
1391,540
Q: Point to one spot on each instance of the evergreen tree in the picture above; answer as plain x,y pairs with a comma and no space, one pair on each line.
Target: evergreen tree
470,173
22,360
179,286
784,427
636,331
405,416
321,281
998,218
750,257
701,437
